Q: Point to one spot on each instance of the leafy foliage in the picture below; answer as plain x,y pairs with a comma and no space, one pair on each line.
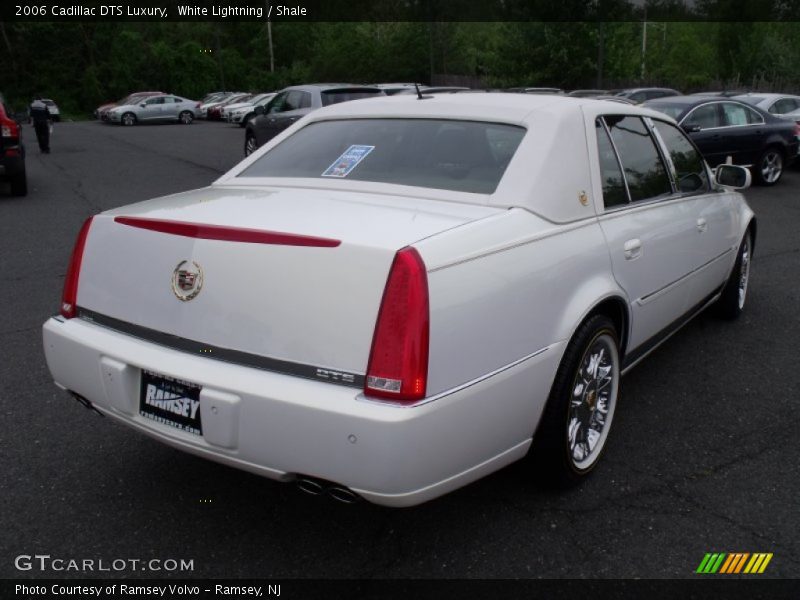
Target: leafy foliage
84,64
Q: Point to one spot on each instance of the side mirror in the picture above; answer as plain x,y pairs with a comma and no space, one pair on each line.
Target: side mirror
259,110
143,104
732,177
692,128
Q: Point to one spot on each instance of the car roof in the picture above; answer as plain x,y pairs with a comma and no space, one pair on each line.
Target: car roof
331,86
558,122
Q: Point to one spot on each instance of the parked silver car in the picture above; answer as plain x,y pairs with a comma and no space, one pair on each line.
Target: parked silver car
157,108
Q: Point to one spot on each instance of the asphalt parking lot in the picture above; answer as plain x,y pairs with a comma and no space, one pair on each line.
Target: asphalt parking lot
702,458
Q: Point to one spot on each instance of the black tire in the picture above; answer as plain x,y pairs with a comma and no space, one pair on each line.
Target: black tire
250,143
19,184
560,436
731,303
770,166
186,117
128,119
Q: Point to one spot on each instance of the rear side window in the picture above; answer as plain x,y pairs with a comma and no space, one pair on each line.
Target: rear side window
689,169
644,170
784,105
614,192
464,156
735,114
336,96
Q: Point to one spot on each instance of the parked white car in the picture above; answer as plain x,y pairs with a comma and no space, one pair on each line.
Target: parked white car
241,113
155,108
395,297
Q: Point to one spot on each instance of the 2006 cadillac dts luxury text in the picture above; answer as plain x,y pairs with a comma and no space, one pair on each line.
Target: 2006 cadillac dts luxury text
397,296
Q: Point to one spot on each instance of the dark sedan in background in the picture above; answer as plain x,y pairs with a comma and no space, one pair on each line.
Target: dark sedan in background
723,127
639,95
295,102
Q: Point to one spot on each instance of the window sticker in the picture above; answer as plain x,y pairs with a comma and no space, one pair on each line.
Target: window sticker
348,161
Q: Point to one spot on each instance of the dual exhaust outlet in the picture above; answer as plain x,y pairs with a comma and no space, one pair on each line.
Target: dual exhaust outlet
320,487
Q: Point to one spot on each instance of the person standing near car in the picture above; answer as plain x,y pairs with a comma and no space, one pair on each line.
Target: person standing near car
40,115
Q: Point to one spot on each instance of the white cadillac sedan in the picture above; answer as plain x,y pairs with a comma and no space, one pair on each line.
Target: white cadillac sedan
398,296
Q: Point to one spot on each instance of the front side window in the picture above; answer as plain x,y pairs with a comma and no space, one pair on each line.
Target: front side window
644,170
704,117
464,156
690,171
294,100
276,105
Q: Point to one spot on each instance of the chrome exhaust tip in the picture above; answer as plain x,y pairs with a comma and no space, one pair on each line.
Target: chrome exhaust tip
310,486
343,494
85,402
320,487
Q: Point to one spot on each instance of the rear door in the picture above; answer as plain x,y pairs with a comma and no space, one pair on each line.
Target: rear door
650,229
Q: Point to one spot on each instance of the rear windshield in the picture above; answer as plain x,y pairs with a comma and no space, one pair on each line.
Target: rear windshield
671,110
336,96
463,156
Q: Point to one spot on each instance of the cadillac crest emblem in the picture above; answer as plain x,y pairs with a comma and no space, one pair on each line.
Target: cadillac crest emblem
187,280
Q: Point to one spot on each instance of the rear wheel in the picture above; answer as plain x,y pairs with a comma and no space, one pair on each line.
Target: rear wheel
19,184
186,117
577,419
769,167
128,119
250,144
734,294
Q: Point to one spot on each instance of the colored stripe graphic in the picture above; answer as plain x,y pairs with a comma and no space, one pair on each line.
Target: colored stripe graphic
758,563
733,563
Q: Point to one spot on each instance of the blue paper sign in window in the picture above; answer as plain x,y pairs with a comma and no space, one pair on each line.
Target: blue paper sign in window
348,161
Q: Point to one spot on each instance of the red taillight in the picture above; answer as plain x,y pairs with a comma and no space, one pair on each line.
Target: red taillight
398,361
9,129
69,298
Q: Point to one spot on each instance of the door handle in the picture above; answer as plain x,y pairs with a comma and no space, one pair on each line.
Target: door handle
633,249
702,225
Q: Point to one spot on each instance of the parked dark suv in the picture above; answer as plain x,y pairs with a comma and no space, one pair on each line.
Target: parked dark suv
297,101
12,152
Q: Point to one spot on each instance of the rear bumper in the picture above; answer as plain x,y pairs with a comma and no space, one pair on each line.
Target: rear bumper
11,165
280,426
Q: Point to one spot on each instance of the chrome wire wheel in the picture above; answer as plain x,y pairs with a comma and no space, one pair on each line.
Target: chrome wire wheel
771,166
593,401
744,270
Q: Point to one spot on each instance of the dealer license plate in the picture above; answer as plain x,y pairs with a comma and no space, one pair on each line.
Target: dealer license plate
171,402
